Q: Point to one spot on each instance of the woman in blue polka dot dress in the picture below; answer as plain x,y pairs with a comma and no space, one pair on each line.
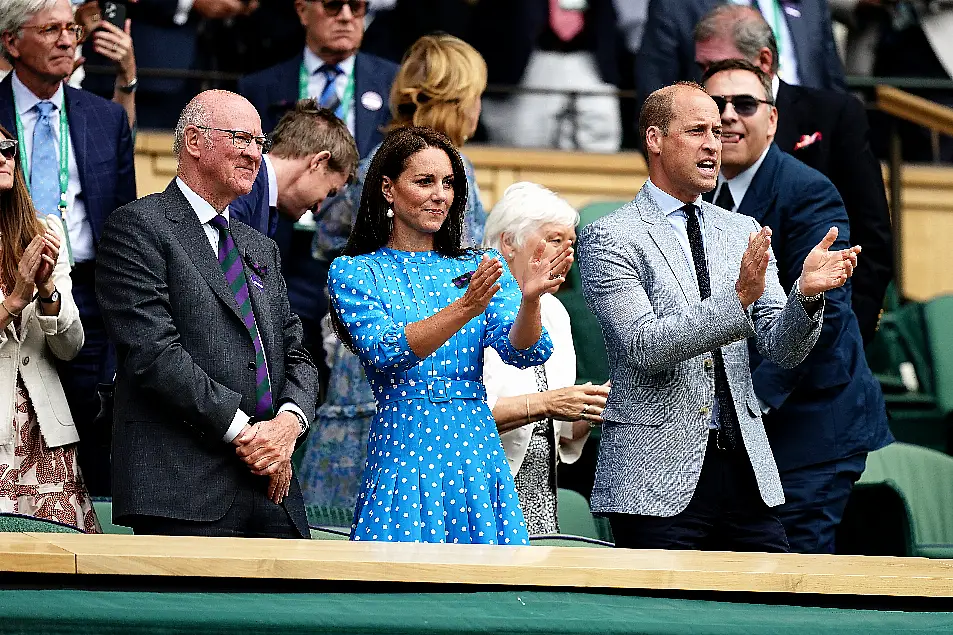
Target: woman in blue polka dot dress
419,309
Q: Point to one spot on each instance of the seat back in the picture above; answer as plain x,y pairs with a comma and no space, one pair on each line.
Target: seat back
104,513
15,523
938,319
924,479
575,519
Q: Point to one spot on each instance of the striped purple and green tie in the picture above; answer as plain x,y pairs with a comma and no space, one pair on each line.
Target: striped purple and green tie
231,263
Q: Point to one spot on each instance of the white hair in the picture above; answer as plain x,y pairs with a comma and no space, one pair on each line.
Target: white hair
16,13
195,113
523,209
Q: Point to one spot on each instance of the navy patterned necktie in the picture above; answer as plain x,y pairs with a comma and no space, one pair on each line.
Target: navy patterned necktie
725,200
329,95
727,417
231,262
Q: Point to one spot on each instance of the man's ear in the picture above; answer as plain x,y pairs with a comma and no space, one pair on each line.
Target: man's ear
318,158
653,140
8,42
765,60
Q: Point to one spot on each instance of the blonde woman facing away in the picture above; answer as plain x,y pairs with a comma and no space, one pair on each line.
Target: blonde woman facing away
542,417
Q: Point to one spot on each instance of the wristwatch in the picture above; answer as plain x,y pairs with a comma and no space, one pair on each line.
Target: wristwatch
53,299
806,299
130,87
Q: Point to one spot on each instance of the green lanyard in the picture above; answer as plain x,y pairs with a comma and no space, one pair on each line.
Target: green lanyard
343,107
776,27
64,166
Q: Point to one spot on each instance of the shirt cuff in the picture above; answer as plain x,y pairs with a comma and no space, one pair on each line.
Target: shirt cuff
765,408
292,407
182,12
239,421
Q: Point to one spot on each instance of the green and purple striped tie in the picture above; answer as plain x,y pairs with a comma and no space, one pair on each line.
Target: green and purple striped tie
231,263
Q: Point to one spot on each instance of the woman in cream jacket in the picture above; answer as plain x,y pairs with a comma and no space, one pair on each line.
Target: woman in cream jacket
39,322
542,417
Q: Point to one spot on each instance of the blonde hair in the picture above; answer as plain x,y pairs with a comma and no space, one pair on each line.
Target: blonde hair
439,79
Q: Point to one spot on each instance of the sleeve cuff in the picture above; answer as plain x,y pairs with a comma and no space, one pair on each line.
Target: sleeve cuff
290,406
239,421
48,323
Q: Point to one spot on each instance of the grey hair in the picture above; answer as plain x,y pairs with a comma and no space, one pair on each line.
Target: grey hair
522,210
16,13
746,27
195,113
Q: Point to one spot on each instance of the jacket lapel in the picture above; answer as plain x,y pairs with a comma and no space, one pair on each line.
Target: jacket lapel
7,117
716,248
760,195
664,237
363,118
78,120
800,29
191,236
788,120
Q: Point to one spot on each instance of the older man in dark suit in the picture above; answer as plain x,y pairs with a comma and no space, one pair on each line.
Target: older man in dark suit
214,386
83,181
824,129
808,53
824,415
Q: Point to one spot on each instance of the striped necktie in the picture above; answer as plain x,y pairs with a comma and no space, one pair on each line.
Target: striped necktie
231,263
329,96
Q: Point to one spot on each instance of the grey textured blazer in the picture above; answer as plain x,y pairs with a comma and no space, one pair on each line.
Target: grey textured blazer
659,337
186,361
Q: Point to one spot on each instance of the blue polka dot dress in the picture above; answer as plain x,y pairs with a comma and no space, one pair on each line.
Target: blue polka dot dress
435,470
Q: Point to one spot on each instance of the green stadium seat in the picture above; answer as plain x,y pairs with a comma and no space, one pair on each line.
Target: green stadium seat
924,480
104,512
938,318
16,523
575,519
330,516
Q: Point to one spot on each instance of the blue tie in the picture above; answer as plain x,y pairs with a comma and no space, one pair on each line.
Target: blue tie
329,96
45,177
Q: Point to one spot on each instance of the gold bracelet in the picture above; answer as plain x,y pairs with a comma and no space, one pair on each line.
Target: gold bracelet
3,303
527,407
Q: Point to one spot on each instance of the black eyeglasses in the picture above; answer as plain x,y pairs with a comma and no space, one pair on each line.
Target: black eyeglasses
745,105
241,139
333,7
8,148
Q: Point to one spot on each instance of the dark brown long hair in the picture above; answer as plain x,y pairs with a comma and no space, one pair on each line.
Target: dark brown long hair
18,223
372,228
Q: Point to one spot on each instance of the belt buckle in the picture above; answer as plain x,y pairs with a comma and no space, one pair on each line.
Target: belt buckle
439,391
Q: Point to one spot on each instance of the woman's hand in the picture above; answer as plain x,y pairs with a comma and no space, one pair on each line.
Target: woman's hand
481,288
545,274
116,44
25,285
584,402
50,252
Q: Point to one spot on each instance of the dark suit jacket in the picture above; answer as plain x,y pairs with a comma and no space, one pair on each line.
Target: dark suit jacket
830,406
99,130
274,91
507,43
186,360
253,209
843,154
667,54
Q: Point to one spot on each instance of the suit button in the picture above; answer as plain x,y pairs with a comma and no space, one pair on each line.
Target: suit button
26,360
705,410
252,366
709,364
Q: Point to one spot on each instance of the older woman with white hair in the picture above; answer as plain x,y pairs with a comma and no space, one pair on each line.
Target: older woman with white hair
542,416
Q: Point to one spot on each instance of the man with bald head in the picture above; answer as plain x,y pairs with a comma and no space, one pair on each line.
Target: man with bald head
678,286
214,387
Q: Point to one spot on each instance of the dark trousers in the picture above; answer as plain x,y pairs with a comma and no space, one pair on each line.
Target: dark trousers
726,513
815,499
252,515
81,377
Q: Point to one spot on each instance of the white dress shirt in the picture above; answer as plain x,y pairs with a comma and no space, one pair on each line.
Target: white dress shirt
740,184
773,12
205,212
503,380
317,82
80,231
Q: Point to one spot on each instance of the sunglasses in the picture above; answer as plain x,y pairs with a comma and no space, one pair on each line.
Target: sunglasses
8,148
333,7
745,105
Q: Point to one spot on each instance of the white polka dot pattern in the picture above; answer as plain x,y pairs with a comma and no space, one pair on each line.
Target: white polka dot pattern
435,471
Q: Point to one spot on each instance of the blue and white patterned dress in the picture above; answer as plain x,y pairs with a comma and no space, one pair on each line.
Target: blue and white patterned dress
435,471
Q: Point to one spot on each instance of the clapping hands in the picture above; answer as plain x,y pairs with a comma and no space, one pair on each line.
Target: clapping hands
824,270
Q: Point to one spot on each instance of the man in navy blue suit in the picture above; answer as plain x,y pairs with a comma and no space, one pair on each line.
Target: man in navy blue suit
97,176
823,416
356,87
808,55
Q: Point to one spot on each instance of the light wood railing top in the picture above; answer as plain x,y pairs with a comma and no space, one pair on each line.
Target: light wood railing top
471,564
918,110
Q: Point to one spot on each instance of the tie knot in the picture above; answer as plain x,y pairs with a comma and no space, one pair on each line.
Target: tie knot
330,72
45,108
219,221
689,209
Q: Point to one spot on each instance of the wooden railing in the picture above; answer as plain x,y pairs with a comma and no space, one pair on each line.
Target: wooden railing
580,177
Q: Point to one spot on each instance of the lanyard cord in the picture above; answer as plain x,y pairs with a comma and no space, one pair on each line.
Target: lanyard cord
64,152
343,107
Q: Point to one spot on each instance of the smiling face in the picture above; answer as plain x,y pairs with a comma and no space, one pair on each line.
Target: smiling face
421,197
685,161
743,139
308,191
231,170
48,57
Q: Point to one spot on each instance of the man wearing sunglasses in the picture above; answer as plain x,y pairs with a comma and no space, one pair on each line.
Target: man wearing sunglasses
824,129
213,387
77,154
824,415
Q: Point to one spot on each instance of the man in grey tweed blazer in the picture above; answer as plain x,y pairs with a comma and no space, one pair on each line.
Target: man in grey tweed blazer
678,286
202,438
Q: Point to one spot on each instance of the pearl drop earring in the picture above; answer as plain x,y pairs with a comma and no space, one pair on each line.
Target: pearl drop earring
390,213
